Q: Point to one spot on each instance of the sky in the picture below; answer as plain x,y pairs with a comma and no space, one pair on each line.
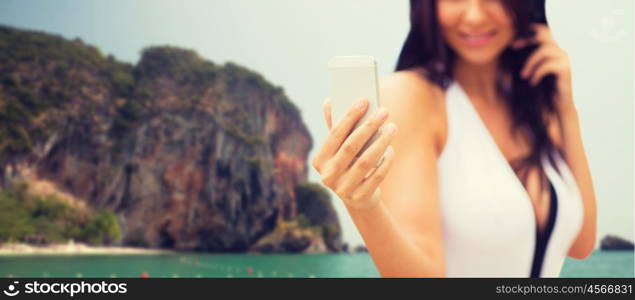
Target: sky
290,42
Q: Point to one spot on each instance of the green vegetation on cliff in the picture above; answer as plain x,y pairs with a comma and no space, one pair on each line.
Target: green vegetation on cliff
24,97
177,63
46,219
187,67
314,204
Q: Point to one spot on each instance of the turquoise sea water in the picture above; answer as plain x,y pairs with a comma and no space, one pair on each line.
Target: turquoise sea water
599,264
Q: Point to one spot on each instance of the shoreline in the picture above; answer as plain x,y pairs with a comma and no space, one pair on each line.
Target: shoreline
72,248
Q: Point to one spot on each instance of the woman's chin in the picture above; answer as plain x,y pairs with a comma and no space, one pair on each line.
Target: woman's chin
479,59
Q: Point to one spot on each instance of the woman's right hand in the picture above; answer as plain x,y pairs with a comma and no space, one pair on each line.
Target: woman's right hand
354,179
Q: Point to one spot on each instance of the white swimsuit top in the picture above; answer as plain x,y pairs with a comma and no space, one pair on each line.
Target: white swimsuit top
489,224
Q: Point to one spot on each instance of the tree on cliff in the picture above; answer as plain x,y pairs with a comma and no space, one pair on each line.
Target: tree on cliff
102,229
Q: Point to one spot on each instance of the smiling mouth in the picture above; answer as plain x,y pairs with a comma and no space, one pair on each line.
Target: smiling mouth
477,39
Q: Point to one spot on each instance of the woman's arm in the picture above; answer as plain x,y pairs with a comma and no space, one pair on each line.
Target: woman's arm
403,232
395,208
551,59
574,154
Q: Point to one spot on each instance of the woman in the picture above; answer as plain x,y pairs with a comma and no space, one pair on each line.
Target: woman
487,175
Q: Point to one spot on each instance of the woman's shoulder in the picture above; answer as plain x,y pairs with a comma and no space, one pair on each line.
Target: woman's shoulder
411,84
415,103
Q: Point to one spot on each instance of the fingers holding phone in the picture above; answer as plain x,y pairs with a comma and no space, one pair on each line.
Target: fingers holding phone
352,174
358,184
358,140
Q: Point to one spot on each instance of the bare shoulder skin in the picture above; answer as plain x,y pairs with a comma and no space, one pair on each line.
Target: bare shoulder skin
410,189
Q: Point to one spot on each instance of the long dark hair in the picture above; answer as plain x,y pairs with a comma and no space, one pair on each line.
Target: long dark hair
426,52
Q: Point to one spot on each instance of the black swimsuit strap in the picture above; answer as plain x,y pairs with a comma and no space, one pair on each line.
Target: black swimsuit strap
543,239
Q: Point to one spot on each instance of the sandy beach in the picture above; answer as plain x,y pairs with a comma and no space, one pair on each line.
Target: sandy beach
72,248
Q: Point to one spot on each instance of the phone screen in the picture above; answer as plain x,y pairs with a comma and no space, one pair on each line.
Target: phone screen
353,78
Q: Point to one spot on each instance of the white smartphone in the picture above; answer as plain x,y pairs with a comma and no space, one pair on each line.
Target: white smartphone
353,78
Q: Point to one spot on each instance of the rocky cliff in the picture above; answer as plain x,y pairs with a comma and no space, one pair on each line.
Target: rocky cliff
613,242
189,154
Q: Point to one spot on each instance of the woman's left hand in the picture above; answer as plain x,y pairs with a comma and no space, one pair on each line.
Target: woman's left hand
548,59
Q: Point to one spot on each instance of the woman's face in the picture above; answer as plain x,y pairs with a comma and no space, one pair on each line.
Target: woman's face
477,30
